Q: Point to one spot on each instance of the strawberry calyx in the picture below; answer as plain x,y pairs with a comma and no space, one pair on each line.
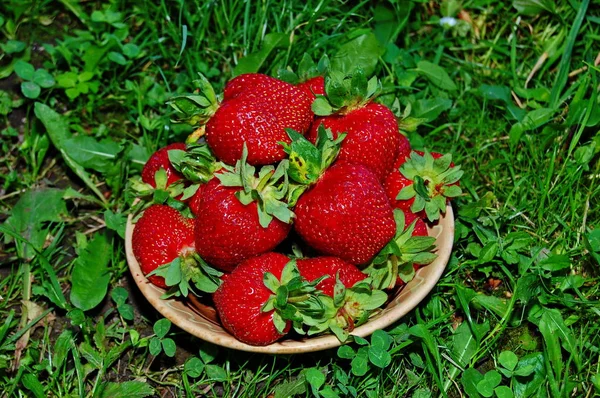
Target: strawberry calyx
294,299
397,258
196,109
307,69
197,164
160,193
188,273
434,182
349,308
269,189
345,93
307,162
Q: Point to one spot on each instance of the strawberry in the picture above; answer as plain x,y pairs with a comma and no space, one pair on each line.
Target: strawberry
422,183
255,110
395,180
263,297
239,216
160,160
228,231
161,235
343,211
372,129
353,300
346,214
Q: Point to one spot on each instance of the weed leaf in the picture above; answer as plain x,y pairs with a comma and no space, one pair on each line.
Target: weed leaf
31,382
470,379
436,75
33,209
361,51
91,274
58,130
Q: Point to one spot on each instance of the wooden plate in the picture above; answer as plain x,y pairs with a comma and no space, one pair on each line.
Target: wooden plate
199,319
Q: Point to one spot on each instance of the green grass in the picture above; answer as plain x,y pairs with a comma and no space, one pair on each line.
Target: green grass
523,276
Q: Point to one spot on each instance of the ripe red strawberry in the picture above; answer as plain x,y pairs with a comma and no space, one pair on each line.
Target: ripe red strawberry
240,215
161,235
228,232
372,136
251,305
314,268
395,180
422,183
346,214
242,295
255,110
372,129
160,160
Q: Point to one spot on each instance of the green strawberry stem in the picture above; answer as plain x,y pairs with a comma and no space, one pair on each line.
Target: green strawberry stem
162,194
345,93
294,299
434,182
399,255
307,162
349,308
196,109
188,273
197,163
269,189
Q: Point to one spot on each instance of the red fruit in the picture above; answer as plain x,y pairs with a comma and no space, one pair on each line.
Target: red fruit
240,299
372,136
161,235
314,268
160,160
346,214
314,86
228,232
256,109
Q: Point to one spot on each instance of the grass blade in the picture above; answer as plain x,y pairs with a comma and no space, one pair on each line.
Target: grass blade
565,61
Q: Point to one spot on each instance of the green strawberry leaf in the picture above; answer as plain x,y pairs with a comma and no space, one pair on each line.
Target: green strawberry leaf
307,162
399,255
434,182
345,92
196,109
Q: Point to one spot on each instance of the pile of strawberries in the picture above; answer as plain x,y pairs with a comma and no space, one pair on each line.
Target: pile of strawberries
295,207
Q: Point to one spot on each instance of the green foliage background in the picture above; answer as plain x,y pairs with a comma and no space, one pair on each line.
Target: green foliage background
510,88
